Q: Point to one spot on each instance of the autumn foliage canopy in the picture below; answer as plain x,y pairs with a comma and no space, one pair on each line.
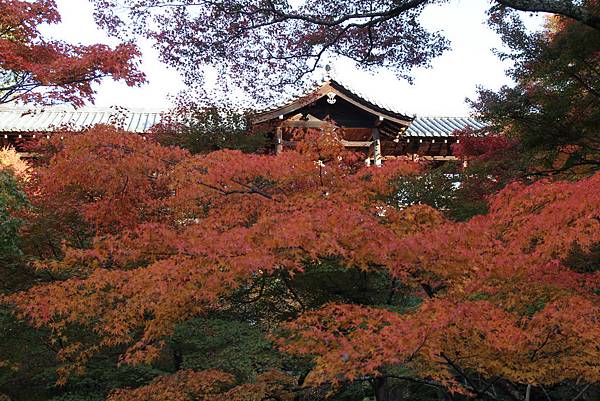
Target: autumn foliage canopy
175,236
36,69
215,274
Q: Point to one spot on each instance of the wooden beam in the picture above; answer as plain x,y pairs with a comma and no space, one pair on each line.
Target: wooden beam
305,124
357,144
377,156
28,155
370,110
278,140
293,106
428,158
348,144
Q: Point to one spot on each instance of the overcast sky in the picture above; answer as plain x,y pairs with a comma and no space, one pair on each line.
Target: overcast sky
440,90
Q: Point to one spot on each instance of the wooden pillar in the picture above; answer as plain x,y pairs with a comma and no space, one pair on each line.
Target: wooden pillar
377,157
278,140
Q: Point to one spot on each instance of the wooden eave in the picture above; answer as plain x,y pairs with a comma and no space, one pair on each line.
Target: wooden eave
341,92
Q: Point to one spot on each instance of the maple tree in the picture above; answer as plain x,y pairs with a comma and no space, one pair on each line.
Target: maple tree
552,112
10,195
36,69
499,300
307,245
489,161
262,45
185,274
14,173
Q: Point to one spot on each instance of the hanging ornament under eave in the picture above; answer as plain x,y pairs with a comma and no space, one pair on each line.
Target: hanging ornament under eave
331,98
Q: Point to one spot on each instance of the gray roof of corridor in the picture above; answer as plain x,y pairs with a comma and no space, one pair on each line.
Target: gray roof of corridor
441,126
49,119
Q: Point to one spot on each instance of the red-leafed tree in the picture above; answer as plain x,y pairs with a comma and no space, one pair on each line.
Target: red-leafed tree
35,69
502,298
264,44
552,111
309,245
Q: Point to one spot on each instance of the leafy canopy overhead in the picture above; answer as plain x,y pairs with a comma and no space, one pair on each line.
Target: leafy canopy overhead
36,69
262,44
553,110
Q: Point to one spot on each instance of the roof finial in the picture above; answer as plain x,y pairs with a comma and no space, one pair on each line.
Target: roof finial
328,69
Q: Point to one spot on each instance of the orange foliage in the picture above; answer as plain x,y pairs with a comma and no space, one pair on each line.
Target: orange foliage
185,385
175,234
208,385
110,177
10,158
501,300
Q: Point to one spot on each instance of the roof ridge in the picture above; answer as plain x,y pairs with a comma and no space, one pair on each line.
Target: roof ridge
71,109
446,116
329,79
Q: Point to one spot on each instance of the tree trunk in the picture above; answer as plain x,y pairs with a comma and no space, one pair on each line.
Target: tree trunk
384,391
381,389
177,357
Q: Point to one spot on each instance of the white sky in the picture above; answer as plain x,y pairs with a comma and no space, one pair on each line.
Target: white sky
440,90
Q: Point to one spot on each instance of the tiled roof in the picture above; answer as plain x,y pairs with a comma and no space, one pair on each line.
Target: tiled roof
29,119
440,126
371,99
349,88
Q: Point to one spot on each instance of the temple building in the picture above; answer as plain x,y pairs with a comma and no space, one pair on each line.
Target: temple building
364,124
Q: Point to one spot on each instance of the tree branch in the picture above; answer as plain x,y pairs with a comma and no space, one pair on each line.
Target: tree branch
566,8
